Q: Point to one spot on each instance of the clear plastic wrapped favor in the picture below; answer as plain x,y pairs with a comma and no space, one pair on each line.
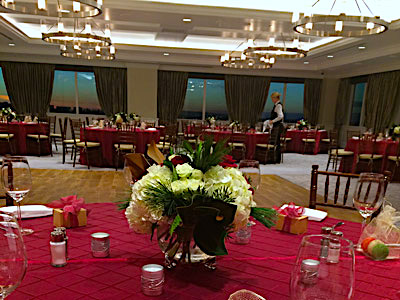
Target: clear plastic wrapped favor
386,228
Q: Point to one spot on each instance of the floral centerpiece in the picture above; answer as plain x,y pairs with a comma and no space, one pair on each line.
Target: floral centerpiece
7,114
211,121
194,203
134,117
302,124
119,118
394,132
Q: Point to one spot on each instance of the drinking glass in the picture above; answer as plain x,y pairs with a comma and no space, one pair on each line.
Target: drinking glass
13,261
17,181
368,195
251,170
128,174
314,277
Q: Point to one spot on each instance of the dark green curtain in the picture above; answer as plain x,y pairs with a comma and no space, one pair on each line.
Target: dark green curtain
381,100
312,99
342,102
29,86
171,93
246,97
111,86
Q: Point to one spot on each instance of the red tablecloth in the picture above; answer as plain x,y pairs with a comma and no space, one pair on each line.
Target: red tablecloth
262,266
109,136
383,147
251,139
297,145
21,130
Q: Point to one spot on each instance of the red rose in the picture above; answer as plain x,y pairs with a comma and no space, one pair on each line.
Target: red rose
179,160
228,165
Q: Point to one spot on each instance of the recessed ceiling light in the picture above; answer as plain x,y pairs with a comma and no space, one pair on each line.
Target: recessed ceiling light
187,20
362,47
306,62
11,44
166,54
330,56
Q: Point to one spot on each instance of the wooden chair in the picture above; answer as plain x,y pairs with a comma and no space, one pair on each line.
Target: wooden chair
368,160
395,160
284,141
126,144
66,143
86,146
267,152
7,137
54,136
310,140
345,202
42,136
335,154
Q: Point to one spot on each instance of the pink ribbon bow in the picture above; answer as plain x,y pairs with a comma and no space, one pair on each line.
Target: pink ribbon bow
70,205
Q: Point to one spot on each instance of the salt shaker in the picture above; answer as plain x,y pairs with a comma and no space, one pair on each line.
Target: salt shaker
64,231
334,247
57,249
309,271
152,279
325,242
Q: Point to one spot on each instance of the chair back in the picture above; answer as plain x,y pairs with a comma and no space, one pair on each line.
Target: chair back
367,145
283,139
126,136
275,137
52,123
75,126
4,127
340,200
311,134
63,128
333,139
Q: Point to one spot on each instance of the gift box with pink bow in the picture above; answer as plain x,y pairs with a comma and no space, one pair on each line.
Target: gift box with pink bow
69,212
291,219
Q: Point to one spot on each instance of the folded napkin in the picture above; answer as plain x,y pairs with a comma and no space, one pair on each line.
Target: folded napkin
29,211
312,214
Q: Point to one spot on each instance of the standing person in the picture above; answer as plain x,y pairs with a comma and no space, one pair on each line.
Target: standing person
276,122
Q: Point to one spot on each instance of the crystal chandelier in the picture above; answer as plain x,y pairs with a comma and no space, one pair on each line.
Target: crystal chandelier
55,8
82,36
247,61
96,53
340,25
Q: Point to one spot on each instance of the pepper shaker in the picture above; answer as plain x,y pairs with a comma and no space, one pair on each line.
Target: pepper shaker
57,249
325,242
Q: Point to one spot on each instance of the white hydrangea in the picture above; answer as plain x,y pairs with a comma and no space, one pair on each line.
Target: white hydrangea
184,170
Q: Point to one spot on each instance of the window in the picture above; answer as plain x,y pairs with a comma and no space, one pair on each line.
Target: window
292,98
205,98
3,90
75,92
357,104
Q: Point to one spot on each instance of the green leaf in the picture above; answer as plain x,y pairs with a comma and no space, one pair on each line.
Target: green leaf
267,216
177,221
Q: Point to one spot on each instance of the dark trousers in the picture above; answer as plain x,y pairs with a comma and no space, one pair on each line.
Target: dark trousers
276,133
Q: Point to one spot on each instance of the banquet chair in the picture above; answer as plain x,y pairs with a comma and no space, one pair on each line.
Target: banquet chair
237,144
7,138
126,144
54,136
86,146
340,200
284,141
42,136
395,161
368,160
196,132
267,152
310,140
67,144
335,153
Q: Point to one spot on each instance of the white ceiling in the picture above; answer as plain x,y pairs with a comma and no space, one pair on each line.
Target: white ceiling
143,31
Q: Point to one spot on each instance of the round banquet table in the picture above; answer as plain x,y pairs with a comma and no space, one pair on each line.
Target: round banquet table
385,147
107,137
21,130
297,145
251,139
263,266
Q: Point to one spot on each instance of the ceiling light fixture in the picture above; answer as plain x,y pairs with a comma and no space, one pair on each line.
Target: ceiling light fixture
187,20
362,47
306,62
330,56
166,54
99,53
11,44
276,51
55,8
247,62
341,25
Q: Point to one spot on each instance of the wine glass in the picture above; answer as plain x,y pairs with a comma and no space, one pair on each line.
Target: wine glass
315,276
368,195
13,261
251,171
17,181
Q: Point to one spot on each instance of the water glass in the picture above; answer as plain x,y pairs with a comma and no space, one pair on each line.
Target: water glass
314,277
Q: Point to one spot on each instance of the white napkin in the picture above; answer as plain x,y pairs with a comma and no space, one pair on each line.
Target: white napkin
152,129
29,211
312,214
